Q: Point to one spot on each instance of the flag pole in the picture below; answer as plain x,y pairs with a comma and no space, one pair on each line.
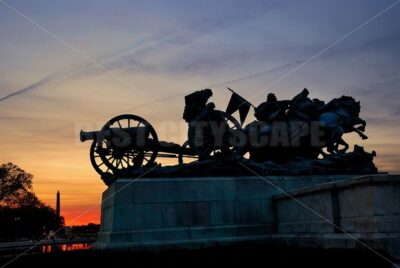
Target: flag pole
231,90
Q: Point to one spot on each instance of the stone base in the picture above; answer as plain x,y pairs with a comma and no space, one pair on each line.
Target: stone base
365,213
204,211
195,212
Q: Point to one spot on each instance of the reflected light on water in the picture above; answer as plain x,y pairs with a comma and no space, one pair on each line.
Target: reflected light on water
65,247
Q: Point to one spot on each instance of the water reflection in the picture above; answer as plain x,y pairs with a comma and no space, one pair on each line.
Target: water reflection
65,247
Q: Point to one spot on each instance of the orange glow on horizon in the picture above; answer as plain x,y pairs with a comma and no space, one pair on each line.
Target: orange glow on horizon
81,214
77,211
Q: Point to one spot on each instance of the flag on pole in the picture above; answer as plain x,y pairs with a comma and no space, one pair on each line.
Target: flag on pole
237,102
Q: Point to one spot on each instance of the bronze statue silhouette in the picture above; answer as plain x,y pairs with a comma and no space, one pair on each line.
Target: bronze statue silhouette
295,117
195,103
294,136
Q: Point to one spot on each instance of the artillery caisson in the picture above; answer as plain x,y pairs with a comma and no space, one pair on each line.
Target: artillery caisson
128,142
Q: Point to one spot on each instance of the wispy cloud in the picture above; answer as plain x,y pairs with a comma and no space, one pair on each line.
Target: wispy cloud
29,88
133,57
51,78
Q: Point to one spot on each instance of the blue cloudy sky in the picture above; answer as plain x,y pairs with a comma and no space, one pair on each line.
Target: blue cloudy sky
71,64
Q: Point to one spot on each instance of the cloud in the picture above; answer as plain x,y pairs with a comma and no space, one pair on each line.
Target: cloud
29,88
56,76
133,57
193,46
264,72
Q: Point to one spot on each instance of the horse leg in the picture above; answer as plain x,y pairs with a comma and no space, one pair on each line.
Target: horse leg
360,129
323,153
330,145
363,125
336,136
361,122
345,144
362,135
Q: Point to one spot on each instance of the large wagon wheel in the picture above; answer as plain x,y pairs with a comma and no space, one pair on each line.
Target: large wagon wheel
101,168
96,161
185,146
215,132
127,142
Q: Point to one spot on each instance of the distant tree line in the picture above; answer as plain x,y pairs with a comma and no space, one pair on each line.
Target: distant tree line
22,214
90,228
82,231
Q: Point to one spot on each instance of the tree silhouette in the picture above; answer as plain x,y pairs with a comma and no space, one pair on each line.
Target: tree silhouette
15,185
22,214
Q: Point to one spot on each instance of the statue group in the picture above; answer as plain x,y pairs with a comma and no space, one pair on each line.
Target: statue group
296,136
284,129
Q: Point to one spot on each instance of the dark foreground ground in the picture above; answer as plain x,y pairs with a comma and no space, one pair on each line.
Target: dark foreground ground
233,256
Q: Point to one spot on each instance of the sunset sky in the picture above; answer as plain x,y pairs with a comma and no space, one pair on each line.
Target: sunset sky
67,65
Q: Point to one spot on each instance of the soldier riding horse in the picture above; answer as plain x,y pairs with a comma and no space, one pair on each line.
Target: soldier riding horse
302,128
338,117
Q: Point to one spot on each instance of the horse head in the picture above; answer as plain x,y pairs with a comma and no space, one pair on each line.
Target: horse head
349,104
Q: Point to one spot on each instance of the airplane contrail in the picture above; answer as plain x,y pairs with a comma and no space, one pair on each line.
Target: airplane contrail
33,86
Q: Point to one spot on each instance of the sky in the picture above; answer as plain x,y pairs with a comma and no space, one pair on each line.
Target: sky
71,65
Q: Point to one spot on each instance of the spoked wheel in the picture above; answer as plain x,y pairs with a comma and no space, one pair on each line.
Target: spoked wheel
127,142
96,161
105,172
186,146
215,132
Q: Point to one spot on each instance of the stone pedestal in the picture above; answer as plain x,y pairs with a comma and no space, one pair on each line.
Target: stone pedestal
180,212
316,211
365,212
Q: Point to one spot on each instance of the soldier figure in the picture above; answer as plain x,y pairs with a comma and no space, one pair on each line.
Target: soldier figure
272,109
302,107
195,103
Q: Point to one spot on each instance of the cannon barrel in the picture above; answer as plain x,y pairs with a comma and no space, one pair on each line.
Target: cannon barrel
162,146
93,135
88,135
